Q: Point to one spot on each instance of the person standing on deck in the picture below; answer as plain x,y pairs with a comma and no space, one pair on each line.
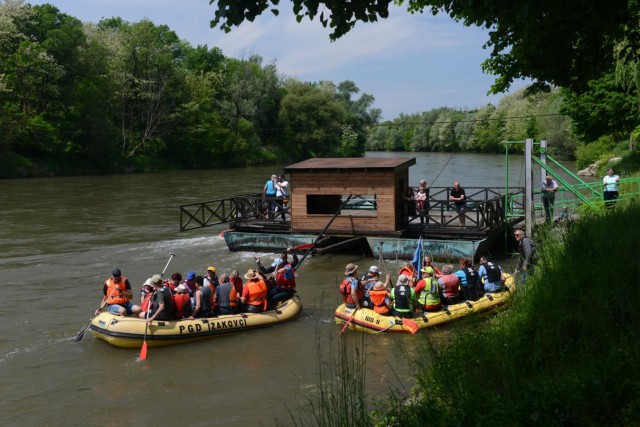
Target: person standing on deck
548,189
269,191
610,193
282,193
459,198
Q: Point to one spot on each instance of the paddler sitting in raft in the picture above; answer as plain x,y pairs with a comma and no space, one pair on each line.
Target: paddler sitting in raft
254,292
379,296
117,295
351,288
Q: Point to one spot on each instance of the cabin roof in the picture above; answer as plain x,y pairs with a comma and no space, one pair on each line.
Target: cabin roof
352,163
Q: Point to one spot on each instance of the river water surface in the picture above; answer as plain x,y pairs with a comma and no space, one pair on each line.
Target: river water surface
59,240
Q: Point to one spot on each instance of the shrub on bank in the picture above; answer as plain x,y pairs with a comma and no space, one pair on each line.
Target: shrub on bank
567,350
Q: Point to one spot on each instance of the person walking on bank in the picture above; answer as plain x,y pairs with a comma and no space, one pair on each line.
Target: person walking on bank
459,198
610,193
527,250
117,295
549,189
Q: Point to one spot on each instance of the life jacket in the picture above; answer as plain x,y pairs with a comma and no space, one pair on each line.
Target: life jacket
473,281
146,302
493,272
430,297
257,292
402,298
345,289
451,285
169,284
181,306
227,295
378,298
407,270
286,279
116,296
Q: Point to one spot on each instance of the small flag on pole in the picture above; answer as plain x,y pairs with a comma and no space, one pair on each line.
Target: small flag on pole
417,259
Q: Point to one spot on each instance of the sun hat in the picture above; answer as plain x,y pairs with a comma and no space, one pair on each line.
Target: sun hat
402,280
149,282
250,274
191,275
277,262
156,278
350,269
373,269
211,268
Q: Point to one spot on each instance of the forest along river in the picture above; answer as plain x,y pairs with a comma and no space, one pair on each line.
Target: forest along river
59,240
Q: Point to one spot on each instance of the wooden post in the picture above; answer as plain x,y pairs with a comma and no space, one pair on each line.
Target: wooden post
543,159
528,188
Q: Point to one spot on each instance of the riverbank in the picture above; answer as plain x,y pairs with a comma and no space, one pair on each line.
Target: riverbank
566,352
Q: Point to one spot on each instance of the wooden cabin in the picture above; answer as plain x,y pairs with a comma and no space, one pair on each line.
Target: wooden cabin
374,187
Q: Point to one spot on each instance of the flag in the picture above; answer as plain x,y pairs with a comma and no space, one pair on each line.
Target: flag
417,259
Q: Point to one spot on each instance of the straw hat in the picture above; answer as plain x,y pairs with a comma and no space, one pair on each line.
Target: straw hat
350,269
250,274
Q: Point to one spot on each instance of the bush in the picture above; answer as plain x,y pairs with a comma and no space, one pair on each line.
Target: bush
587,154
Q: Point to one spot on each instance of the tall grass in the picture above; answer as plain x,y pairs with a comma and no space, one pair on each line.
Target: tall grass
566,352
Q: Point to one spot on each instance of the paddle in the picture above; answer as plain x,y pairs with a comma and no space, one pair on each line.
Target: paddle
84,330
143,350
324,230
348,321
410,324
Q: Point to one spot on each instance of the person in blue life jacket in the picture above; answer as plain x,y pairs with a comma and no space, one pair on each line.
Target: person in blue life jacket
491,275
470,285
368,280
269,192
403,297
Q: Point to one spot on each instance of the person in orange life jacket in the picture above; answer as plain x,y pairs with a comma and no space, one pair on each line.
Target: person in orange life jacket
428,291
211,278
449,286
117,295
403,297
235,279
428,262
254,292
368,281
470,285
181,303
407,270
225,296
173,283
162,302
351,288
196,300
379,296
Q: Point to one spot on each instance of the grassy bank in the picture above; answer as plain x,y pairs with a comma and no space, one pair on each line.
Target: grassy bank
566,352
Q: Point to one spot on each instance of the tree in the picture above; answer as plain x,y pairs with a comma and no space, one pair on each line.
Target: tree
562,43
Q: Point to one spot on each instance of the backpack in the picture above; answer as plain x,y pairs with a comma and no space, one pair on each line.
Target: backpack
345,287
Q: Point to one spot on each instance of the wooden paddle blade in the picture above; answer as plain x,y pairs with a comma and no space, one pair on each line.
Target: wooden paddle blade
143,351
411,325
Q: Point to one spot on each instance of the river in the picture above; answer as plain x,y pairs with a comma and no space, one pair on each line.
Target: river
59,240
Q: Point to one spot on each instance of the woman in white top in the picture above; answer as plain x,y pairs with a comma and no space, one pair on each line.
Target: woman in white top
610,183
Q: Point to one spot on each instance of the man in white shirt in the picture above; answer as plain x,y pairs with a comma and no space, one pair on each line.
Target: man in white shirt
282,193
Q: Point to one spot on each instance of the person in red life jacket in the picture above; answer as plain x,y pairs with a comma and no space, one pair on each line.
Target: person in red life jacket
225,296
173,283
146,293
285,281
254,292
282,260
211,278
428,262
162,302
351,288
181,303
234,278
117,295
449,286
196,300
379,296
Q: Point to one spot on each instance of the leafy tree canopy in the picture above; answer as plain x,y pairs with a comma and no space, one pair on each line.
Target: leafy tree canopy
564,43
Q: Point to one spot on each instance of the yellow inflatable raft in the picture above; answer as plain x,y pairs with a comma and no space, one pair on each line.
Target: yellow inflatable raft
367,320
128,332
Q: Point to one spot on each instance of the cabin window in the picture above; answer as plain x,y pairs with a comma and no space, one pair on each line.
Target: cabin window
328,204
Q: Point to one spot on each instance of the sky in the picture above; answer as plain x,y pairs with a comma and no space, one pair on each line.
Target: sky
409,63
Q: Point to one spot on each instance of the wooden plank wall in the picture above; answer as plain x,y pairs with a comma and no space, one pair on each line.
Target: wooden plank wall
382,183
